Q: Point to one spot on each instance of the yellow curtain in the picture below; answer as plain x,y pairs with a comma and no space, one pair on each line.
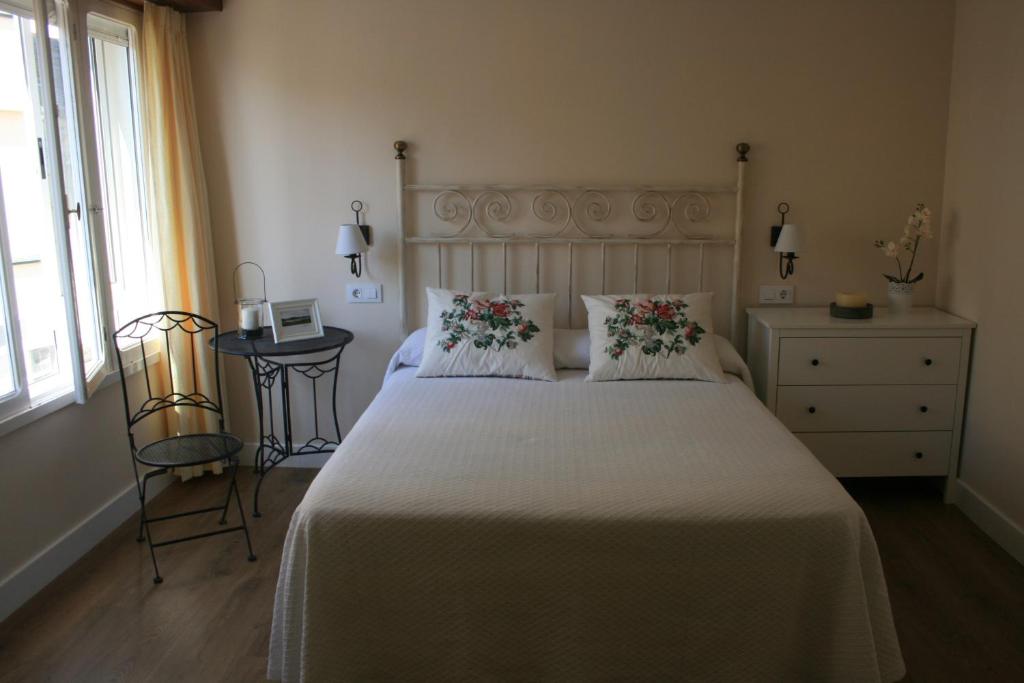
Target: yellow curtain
178,203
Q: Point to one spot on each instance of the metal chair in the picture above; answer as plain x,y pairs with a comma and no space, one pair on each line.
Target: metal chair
177,331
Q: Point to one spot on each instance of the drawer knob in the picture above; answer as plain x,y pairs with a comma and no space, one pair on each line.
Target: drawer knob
815,362
927,361
919,455
812,410
924,409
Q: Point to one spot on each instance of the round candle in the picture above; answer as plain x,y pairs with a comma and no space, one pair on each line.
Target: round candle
250,318
851,299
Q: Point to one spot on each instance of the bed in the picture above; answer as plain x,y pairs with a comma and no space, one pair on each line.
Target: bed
490,529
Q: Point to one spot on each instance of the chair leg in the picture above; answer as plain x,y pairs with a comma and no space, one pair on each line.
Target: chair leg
142,515
241,512
227,501
256,497
144,524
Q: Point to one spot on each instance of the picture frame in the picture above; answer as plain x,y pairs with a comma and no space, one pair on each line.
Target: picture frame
294,320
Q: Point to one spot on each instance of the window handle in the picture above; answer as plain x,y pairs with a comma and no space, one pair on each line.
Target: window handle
77,210
42,158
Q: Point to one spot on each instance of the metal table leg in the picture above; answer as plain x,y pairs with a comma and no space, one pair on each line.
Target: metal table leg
265,374
273,452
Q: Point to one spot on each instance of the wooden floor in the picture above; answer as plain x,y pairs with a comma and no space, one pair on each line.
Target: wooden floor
958,598
105,620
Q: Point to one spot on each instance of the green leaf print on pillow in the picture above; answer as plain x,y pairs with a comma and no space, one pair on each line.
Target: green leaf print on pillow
652,325
488,323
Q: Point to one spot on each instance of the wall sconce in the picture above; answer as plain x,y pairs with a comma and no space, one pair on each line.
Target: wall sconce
786,241
354,241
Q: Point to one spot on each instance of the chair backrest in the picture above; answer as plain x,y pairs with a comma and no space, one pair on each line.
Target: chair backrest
179,335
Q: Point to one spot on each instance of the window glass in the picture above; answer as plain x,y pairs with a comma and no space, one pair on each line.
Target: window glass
29,215
115,108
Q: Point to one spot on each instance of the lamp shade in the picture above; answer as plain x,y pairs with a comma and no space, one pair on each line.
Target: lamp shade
789,240
350,241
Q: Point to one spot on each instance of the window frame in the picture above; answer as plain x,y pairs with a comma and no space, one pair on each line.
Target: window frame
81,140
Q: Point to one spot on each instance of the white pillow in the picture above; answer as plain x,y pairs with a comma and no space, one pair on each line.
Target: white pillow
572,352
572,349
731,361
489,335
411,351
643,336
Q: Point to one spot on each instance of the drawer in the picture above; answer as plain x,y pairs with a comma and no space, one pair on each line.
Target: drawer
882,454
869,360
867,408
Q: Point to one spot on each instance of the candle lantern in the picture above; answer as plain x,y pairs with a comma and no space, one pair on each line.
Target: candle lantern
250,308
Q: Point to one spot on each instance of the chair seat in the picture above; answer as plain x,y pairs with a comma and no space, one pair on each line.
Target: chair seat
189,449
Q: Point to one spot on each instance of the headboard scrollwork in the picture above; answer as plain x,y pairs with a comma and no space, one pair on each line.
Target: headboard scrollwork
473,215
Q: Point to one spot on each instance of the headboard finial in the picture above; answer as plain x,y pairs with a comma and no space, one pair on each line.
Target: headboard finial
742,148
400,147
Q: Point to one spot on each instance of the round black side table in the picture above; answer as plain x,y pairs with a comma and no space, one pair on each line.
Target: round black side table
266,373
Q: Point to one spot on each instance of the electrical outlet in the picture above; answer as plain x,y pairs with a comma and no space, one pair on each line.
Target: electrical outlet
776,294
363,293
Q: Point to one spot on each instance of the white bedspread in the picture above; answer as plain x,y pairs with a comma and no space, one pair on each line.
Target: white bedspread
511,530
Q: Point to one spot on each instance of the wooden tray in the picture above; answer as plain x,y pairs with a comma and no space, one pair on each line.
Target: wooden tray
837,311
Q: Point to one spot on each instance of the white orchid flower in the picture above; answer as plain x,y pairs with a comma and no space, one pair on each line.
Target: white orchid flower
918,225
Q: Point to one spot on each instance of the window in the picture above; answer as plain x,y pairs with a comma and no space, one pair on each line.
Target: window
76,257
32,259
130,258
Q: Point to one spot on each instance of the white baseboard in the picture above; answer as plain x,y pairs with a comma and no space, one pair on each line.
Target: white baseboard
1001,528
312,460
52,561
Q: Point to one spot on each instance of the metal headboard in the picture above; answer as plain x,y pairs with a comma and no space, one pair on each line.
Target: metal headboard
481,214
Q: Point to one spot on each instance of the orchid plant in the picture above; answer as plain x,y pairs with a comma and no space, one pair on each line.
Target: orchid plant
919,225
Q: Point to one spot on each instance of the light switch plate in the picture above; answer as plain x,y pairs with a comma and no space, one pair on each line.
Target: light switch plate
776,294
363,292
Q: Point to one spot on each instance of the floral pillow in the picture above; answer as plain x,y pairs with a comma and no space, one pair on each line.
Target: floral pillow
644,336
489,335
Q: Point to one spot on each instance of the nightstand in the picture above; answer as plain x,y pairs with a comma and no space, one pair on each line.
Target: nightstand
880,397
281,363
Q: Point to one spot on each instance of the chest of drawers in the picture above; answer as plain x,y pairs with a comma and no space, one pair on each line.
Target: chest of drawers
876,397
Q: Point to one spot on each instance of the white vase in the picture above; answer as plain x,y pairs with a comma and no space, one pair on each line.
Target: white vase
901,297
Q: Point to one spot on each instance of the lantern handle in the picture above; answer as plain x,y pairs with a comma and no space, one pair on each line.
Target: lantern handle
234,278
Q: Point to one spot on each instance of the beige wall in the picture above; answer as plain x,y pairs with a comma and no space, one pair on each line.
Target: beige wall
844,102
58,471
983,241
